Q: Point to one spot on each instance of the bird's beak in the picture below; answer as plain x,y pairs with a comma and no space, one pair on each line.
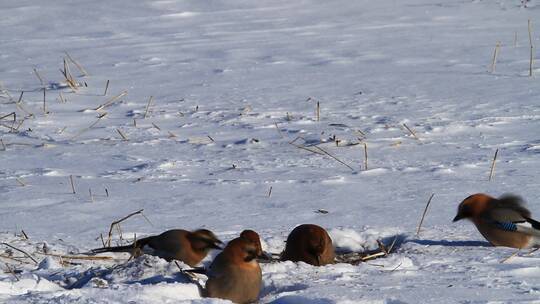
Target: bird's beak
457,218
264,257
215,245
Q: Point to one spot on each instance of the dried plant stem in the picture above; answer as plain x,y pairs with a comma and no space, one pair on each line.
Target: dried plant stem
62,99
148,106
116,223
365,157
531,57
20,182
78,257
515,39
492,170
495,55
87,128
24,235
111,101
10,114
424,215
38,76
155,126
279,131
9,270
122,135
21,251
106,88
44,101
270,191
335,158
72,184
411,131
510,256
3,145
318,111
77,64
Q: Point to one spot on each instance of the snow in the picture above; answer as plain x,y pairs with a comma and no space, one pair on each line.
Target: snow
233,82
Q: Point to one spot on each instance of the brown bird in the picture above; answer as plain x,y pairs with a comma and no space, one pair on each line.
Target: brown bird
253,237
503,222
182,245
235,274
311,244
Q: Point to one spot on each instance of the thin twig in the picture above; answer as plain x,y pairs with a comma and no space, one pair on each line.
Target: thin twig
332,156
495,54
509,257
115,223
22,251
492,170
148,106
424,215
72,184
111,101
38,76
531,57
365,157
77,64
270,191
12,272
122,134
411,131
106,88
279,131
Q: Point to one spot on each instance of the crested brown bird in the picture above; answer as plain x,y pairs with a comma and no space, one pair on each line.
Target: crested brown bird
190,247
503,221
235,274
310,244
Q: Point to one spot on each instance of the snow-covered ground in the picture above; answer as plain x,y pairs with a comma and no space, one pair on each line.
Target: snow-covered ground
233,82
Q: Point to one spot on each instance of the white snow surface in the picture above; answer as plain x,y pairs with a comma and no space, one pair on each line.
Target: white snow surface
233,82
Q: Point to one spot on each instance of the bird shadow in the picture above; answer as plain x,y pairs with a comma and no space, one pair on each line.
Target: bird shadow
449,243
291,299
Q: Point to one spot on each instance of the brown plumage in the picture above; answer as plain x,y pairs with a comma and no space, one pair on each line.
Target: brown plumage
235,274
503,222
311,244
182,245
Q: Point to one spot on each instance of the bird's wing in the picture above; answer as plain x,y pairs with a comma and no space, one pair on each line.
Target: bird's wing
508,208
218,267
528,226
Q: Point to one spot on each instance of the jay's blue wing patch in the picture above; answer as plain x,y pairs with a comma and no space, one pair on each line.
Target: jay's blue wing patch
507,226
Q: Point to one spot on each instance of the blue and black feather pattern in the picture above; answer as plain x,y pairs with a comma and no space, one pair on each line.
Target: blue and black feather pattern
507,226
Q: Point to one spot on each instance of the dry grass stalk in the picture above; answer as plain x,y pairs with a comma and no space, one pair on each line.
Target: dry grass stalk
21,251
318,111
411,131
116,223
492,170
510,256
62,99
3,145
365,157
279,131
270,191
106,88
9,270
77,64
210,137
171,134
10,114
91,196
155,126
134,122
24,235
89,127
111,101
78,257
495,55
515,39
72,184
38,76
67,75
44,101
531,57
122,135
424,215
335,158
148,106
20,182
